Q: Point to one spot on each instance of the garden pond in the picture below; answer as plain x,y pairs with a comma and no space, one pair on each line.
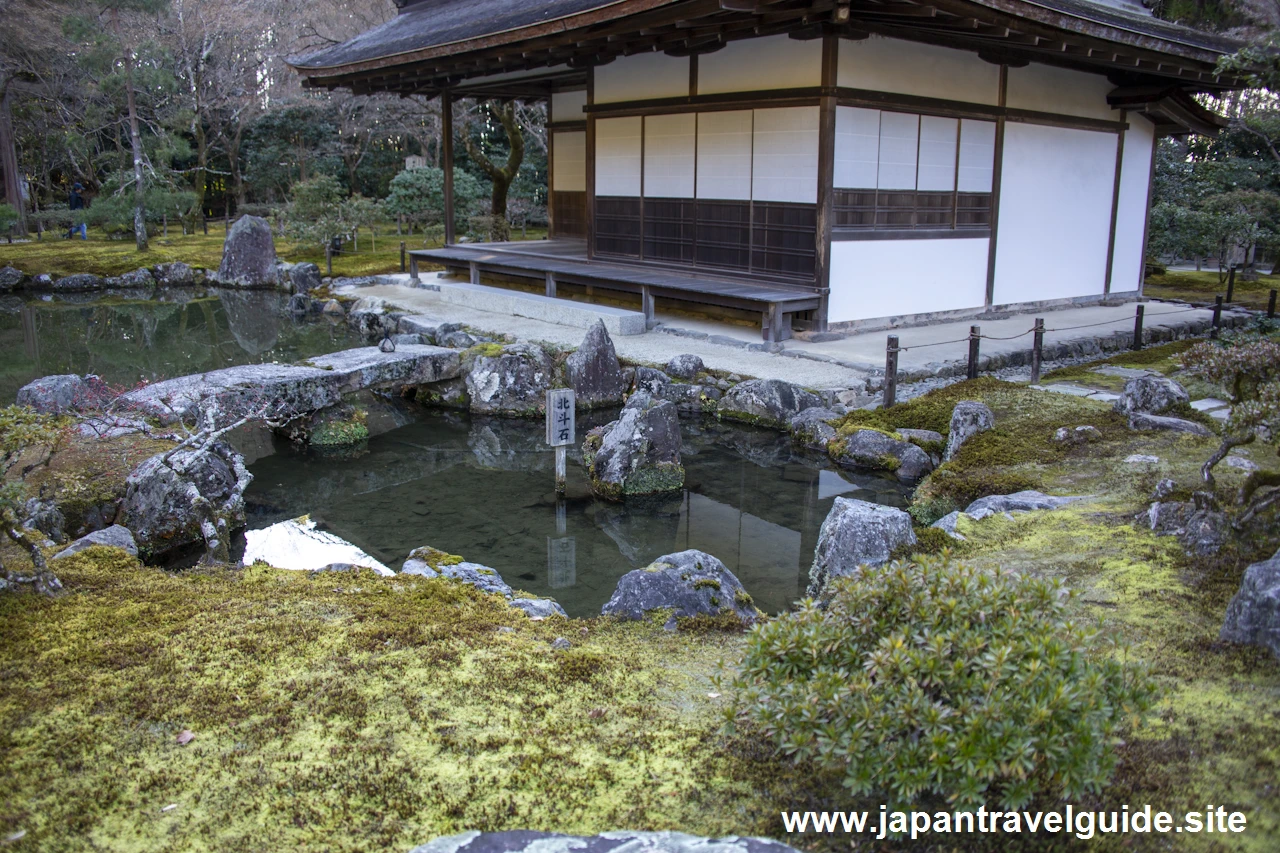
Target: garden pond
128,337
483,488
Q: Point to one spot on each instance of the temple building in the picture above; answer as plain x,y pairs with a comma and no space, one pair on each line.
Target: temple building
826,165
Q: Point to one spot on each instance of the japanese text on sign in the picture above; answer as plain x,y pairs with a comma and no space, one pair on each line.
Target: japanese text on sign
560,417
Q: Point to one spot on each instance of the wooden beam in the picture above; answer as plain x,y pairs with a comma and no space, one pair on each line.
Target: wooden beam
826,181
446,158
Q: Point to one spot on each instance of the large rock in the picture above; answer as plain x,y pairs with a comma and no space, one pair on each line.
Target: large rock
689,583
430,562
1253,616
593,371
297,544
1028,500
1150,394
114,536
165,503
531,841
176,274
768,402
968,418
11,279
514,382
139,278
686,366
812,428
249,254
54,395
638,454
856,533
79,282
868,448
1199,525
1146,422
304,277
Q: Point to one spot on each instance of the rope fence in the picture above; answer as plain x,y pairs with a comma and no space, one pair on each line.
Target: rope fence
975,337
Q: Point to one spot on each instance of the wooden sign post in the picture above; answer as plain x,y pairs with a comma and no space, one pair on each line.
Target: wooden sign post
560,428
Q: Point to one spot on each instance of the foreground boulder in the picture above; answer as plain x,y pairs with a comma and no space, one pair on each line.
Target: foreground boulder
114,536
593,371
1199,525
1151,395
304,277
689,583
869,448
175,274
767,402
79,282
968,418
167,503
812,428
249,254
1253,616
530,841
513,382
297,544
54,395
1144,421
857,533
638,454
686,366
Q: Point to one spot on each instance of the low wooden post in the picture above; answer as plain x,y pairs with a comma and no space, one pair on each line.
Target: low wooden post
1231,283
328,258
402,256
551,284
474,269
204,223
413,269
646,305
975,335
1217,317
1037,350
1271,305
1137,327
560,428
891,371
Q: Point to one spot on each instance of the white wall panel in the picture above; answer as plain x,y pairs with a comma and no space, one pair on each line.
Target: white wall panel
567,106
784,163
618,156
1047,89
937,172
772,62
899,145
909,68
889,278
642,76
977,155
1131,214
724,155
857,147
669,143
1055,213
569,169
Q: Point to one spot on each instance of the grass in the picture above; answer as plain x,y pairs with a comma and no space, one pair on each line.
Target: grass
101,256
1190,286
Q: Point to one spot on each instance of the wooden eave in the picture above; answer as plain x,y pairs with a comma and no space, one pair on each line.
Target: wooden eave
1067,33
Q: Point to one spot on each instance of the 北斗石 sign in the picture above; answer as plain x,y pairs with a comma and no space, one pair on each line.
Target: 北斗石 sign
560,422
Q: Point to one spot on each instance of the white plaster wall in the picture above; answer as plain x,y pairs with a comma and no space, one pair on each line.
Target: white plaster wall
724,155
910,68
784,161
888,278
1131,213
1055,213
669,144
1047,89
640,77
569,169
567,106
618,156
772,62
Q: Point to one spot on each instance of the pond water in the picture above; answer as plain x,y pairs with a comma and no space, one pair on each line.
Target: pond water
484,488
128,337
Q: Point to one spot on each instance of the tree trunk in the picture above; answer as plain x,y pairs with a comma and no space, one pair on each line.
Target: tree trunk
501,177
200,181
135,142
9,161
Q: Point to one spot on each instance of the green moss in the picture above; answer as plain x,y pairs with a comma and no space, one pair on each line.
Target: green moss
743,599
340,433
434,557
492,350
706,583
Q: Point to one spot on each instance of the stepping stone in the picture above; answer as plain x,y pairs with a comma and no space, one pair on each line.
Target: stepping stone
1062,388
1125,372
1142,459
1104,396
1209,404
1241,463
1220,414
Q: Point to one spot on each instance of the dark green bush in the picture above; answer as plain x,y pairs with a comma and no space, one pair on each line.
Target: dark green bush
938,678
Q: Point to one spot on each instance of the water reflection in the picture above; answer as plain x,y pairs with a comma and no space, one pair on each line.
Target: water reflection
484,488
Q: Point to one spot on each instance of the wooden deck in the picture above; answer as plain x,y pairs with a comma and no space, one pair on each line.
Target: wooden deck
565,261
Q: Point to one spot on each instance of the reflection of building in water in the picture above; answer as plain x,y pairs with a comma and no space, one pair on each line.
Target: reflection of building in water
562,556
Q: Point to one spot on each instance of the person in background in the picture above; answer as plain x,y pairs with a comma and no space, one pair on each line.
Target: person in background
76,202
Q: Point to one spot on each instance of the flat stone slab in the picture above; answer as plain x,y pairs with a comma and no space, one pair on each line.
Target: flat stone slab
1142,459
296,388
1125,372
1209,404
549,309
1063,388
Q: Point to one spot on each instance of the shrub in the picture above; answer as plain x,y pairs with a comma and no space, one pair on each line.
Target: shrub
938,678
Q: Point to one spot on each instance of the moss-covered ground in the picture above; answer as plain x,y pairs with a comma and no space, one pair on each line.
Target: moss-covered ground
350,712
1191,286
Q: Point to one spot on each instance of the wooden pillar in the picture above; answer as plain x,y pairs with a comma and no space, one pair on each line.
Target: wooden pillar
997,168
551,174
446,162
591,165
826,181
1115,203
